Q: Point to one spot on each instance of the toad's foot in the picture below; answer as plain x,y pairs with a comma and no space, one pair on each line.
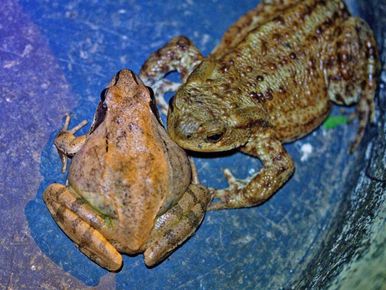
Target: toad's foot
234,185
277,168
67,143
177,55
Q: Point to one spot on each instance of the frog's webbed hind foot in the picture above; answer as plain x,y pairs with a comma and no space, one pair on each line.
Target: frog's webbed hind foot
177,55
352,67
67,143
177,224
63,206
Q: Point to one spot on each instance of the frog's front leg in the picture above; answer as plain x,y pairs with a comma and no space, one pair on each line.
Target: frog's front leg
82,224
180,55
67,143
177,224
277,168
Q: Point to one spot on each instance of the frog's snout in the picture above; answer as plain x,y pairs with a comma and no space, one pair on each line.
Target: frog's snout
125,77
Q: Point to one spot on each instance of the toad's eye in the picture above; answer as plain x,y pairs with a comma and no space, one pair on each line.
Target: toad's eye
214,138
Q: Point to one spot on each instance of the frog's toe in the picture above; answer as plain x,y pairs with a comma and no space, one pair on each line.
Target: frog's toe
217,205
233,182
219,199
67,143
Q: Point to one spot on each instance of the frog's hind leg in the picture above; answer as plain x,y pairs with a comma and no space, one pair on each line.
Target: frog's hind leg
179,55
177,224
81,223
352,66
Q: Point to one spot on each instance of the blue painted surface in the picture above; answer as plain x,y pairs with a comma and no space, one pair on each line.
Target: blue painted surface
56,57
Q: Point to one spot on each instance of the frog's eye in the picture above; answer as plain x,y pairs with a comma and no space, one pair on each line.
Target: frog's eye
214,138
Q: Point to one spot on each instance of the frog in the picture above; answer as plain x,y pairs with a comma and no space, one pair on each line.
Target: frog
271,80
130,188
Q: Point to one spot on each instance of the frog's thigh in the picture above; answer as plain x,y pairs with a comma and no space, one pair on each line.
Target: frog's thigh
277,168
177,224
352,69
61,203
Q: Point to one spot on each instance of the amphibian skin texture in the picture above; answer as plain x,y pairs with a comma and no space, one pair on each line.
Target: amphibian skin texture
272,79
130,187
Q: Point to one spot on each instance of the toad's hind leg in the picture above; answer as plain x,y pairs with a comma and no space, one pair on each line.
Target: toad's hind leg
177,224
82,224
179,55
238,31
352,66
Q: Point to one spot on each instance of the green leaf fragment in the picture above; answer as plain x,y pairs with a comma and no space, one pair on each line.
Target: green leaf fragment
335,121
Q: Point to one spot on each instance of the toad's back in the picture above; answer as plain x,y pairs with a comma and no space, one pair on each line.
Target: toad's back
278,66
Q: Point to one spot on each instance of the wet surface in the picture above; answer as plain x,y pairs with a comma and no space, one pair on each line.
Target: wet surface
56,58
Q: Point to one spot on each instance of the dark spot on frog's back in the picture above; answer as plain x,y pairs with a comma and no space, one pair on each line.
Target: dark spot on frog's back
279,19
268,95
282,90
107,143
260,78
257,96
262,97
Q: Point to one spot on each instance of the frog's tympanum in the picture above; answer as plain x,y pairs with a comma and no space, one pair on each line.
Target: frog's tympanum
130,188
271,80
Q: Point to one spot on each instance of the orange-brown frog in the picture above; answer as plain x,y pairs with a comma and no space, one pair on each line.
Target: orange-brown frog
271,80
130,187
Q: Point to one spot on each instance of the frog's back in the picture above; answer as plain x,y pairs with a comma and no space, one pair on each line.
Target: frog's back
277,66
126,173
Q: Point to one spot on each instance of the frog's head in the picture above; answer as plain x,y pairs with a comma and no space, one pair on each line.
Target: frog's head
124,93
198,120
125,88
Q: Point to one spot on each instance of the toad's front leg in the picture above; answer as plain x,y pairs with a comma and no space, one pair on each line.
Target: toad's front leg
67,143
179,55
277,169
83,225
